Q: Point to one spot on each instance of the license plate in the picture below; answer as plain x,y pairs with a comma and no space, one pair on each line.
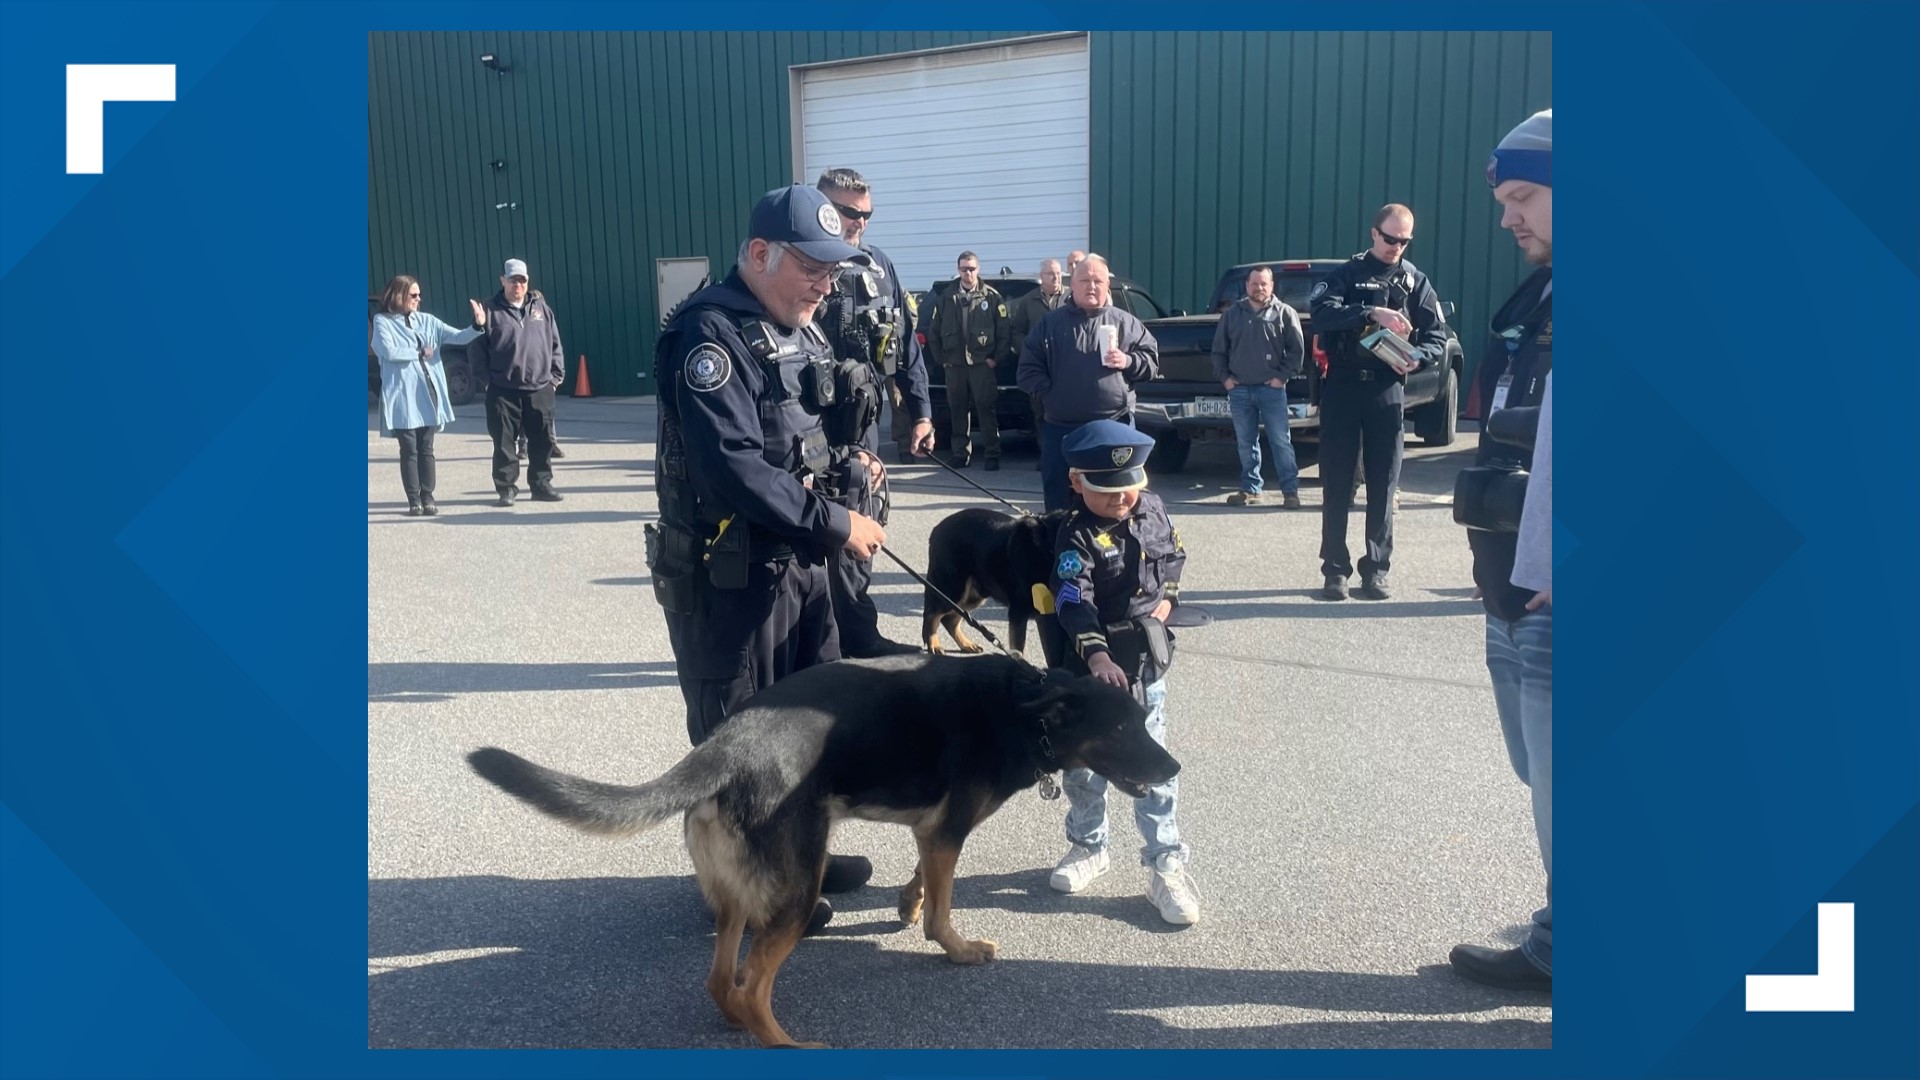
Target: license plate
1212,406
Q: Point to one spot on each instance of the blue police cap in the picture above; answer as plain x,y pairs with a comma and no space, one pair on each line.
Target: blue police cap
1110,455
805,218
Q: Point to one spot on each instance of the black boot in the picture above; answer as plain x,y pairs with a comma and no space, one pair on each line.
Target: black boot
845,873
507,495
1508,969
822,915
429,508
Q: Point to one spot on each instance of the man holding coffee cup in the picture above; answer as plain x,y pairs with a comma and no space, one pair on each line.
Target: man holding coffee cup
1080,363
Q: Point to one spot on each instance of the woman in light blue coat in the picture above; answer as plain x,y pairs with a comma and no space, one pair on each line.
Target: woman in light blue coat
413,386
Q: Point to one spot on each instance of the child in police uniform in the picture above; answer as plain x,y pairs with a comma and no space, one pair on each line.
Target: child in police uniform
1116,578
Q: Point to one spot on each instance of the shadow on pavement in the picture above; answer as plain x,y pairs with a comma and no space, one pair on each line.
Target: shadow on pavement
618,962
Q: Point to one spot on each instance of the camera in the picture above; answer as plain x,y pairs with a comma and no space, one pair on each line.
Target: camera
1490,497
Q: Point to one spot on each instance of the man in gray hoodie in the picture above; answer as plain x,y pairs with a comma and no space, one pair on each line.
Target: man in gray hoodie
519,359
1257,347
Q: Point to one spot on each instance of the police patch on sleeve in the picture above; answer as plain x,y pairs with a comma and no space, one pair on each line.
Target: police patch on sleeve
1319,291
708,367
1069,565
1069,593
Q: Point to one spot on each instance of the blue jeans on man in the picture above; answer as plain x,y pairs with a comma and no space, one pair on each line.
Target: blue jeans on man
1254,407
1520,663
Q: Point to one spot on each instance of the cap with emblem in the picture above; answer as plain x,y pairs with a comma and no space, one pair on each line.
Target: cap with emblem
805,218
515,268
1110,455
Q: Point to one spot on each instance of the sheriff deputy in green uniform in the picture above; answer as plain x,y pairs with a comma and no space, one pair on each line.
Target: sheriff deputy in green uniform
969,336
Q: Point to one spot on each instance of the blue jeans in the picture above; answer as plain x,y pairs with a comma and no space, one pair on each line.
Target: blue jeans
1520,661
1087,798
1254,406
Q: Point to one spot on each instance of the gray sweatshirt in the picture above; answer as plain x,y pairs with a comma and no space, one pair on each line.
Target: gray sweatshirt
1256,344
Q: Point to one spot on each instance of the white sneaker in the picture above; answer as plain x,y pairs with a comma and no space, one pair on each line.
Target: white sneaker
1078,869
1172,891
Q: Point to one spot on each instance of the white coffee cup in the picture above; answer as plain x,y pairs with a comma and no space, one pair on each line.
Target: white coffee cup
1109,339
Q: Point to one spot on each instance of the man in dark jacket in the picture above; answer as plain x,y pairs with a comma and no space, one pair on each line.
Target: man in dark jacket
1080,364
519,358
1513,374
1363,400
967,335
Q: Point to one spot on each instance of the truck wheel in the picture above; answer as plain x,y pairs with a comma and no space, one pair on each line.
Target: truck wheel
1439,423
460,382
1170,450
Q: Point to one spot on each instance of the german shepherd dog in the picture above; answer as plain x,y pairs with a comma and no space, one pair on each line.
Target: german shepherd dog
978,555
935,743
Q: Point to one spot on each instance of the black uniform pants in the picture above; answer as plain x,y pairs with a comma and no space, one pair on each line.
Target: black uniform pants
1353,415
513,415
740,641
849,576
416,462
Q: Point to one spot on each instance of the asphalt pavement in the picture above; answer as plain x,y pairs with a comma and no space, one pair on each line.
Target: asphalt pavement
1344,788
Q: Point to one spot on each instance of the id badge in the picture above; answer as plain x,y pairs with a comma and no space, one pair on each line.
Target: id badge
1500,393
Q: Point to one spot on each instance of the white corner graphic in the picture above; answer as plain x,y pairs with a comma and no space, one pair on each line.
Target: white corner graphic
1830,988
89,88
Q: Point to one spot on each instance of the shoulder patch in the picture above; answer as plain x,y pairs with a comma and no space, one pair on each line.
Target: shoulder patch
1003,311
1069,594
1319,291
707,367
1069,565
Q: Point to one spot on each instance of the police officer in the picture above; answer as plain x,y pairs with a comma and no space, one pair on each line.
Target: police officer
1363,399
968,335
743,469
869,321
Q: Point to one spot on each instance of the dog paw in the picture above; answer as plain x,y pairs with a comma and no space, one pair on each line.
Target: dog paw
973,647
973,952
910,908
803,1046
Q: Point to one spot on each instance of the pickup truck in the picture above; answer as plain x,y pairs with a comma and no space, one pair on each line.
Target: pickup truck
1186,404
1013,408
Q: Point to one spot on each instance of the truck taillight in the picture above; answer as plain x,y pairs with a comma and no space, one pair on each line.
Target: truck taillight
921,338
1319,355
1297,266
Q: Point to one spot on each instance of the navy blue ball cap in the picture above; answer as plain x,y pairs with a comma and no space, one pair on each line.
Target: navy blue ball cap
805,218
1110,455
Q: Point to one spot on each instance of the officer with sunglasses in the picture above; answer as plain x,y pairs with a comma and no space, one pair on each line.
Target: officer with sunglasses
1363,398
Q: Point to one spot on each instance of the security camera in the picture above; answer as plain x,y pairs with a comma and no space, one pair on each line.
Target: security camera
498,164
492,63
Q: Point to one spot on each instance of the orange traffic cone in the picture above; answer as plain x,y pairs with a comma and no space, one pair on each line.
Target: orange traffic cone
581,387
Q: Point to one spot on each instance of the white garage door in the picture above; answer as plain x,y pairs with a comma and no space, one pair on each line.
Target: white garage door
983,148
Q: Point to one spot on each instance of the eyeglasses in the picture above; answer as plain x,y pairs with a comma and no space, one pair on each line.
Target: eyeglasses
1396,241
814,272
850,212
969,269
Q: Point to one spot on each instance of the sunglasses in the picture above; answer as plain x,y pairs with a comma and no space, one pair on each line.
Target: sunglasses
1396,241
850,212
969,269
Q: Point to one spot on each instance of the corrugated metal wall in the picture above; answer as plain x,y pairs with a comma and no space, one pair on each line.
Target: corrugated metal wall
1208,149
1226,148
620,148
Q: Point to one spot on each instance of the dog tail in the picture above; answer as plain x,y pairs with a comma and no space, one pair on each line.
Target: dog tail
588,805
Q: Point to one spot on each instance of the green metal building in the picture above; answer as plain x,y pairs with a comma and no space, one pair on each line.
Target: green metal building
618,164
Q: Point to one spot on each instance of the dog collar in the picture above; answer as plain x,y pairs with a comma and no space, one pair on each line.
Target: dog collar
1049,789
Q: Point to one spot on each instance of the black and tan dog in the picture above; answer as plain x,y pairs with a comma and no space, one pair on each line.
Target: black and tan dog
935,743
978,555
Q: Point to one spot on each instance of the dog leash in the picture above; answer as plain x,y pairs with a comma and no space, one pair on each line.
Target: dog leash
988,492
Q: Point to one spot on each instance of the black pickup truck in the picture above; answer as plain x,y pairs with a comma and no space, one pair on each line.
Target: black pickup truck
1186,404
1013,408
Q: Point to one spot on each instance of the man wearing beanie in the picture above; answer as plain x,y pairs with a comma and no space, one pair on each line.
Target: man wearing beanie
1513,373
